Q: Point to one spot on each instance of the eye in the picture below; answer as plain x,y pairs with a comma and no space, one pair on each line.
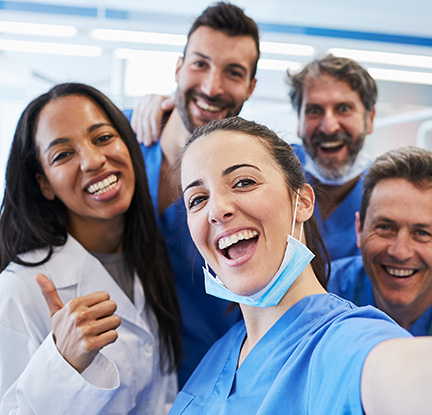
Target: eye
343,108
423,236
244,183
233,73
313,110
198,64
196,201
385,229
58,157
104,138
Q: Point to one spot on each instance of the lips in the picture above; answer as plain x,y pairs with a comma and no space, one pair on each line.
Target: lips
238,244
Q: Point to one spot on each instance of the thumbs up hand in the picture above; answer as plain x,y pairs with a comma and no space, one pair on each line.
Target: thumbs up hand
83,326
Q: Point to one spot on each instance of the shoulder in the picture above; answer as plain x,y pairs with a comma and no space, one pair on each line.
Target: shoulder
344,272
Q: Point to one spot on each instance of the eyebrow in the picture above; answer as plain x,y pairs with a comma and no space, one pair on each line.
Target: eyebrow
63,140
226,172
231,65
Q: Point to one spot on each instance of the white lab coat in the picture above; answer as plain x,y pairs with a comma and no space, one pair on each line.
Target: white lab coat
123,379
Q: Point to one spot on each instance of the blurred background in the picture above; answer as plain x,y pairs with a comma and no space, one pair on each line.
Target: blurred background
129,48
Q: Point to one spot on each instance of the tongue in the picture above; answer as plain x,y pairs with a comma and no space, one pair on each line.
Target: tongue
241,248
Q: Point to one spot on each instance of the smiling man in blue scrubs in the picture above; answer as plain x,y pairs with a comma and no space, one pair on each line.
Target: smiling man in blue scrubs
335,101
394,233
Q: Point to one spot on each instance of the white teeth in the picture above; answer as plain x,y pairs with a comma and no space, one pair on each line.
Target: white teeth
396,272
233,239
103,186
331,144
208,107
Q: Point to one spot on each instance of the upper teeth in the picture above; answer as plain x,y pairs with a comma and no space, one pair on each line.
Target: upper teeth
400,272
233,239
331,144
207,107
103,186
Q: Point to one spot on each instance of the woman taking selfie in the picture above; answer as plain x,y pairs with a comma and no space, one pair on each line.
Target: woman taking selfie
299,350
96,331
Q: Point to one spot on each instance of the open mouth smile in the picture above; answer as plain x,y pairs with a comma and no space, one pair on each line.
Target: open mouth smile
103,186
207,107
331,146
238,244
399,272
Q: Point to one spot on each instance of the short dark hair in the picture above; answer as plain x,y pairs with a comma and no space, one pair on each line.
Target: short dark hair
29,221
343,69
284,157
231,20
413,164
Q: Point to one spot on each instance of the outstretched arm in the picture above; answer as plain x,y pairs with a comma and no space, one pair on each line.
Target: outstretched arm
147,117
397,377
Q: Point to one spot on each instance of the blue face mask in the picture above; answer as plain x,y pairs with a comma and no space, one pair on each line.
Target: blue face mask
297,257
361,163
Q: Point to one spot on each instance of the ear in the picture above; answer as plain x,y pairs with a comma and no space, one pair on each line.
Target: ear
45,187
358,229
251,88
178,66
369,121
306,203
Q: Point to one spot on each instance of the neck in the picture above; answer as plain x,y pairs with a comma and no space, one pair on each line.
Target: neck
329,197
404,315
99,237
258,321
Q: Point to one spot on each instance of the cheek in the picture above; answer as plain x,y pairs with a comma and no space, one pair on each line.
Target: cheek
198,230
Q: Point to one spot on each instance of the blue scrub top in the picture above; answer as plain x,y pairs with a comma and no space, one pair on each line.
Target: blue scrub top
309,362
338,230
349,280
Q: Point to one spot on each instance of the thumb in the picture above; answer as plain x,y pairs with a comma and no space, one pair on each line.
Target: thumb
50,293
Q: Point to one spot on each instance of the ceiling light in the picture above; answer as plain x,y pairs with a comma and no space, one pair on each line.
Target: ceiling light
386,58
139,37
37,29
287,49
50,48
278,65
412,77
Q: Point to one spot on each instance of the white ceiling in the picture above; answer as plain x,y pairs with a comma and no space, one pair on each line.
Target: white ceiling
389,26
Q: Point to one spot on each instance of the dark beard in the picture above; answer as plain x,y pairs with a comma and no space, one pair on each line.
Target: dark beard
182,101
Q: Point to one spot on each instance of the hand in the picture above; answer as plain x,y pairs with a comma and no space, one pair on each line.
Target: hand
83,326
147,117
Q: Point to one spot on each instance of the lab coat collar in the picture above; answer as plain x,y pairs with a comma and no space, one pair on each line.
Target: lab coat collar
72,265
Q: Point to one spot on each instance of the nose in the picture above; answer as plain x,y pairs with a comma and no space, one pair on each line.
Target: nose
401,247
91,158
329,123
221,210
212,83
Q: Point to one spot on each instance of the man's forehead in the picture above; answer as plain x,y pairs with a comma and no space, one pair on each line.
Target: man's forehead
314,85
216,44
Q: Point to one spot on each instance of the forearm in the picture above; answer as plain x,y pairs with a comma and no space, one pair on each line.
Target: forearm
397,377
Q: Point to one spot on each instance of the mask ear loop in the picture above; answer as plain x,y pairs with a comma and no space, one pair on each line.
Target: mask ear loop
297,204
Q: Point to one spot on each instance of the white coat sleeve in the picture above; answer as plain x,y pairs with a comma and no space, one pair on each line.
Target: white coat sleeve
34,377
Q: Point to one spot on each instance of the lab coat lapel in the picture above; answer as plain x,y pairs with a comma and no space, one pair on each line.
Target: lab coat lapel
72,265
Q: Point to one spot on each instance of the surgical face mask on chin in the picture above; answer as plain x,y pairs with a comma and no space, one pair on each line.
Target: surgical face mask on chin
361,163
297,257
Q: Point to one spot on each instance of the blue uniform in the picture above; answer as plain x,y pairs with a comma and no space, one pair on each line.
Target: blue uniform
338,230
349,280
309,362
205,318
